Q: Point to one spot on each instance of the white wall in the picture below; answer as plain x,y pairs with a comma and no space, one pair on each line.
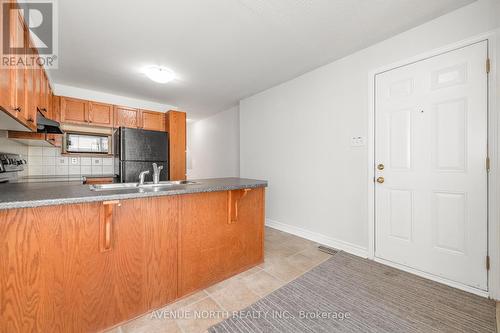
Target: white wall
214,146
98,96
297,135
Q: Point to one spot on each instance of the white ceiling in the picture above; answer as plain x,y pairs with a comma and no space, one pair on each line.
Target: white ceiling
222,50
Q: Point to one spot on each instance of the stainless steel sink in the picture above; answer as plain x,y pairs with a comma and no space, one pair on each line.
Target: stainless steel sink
113,187
169,183
145,186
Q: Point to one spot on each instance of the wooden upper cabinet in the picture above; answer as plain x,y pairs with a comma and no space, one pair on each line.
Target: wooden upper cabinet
5,99
23,88
55,107
100,114
31,89
154,121
44,92
74,110
33,79
126,117
19,74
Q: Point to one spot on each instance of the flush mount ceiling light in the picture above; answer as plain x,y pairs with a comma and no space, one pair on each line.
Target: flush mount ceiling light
159,74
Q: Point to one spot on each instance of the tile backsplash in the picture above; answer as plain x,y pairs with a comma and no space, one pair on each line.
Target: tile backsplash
47,161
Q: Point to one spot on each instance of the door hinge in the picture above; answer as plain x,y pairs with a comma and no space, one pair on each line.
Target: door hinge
488,263
488,66
488,164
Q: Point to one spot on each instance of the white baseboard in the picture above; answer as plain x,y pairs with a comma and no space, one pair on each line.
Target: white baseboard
362,252
319,238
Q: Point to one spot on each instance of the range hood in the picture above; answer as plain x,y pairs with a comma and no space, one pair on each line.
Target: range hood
44,125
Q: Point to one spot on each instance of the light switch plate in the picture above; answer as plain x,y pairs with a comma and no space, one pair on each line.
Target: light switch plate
357,141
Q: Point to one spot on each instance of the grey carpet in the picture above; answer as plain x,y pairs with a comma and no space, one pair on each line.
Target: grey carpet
378,298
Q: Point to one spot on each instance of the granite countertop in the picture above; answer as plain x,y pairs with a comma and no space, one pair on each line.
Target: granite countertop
26,195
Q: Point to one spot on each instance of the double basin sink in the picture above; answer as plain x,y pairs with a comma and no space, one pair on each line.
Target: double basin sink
145,186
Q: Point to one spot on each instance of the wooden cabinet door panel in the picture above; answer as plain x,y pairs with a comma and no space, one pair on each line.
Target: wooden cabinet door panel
154,121
203,243
32,88
20,272
5,76
247,234
19,73
161,232
76,275
211,248
101,114
127,258
176,128
74,110
126,117
54,277
55,108
44,92
55,139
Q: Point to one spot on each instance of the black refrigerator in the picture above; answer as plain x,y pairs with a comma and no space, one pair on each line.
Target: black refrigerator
135,150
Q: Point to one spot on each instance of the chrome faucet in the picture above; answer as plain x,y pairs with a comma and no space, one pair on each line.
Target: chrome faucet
156,173
141,177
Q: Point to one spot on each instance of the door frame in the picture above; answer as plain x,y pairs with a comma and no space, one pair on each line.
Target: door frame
493,275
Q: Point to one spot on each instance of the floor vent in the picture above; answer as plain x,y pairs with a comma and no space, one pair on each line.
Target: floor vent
328,250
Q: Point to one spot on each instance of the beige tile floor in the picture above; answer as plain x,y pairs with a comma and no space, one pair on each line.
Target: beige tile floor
286,258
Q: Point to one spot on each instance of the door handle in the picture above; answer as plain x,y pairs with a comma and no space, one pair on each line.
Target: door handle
380,180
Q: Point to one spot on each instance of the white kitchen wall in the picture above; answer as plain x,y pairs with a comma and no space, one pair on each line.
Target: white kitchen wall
298,135
214,146
47,161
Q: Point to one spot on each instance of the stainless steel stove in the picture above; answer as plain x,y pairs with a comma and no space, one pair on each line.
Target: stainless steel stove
10,165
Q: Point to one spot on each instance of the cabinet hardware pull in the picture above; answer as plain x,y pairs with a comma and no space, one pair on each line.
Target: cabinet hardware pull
18,109
106,228
30,120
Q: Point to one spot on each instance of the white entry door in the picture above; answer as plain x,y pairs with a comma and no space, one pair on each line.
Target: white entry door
430,164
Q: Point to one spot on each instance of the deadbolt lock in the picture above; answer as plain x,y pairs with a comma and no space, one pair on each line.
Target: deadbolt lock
380,166
380,180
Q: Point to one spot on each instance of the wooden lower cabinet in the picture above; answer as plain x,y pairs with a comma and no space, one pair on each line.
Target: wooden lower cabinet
89,267
213,249
55,278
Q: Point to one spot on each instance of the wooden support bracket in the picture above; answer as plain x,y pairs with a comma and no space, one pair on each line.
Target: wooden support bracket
233,199
106,225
